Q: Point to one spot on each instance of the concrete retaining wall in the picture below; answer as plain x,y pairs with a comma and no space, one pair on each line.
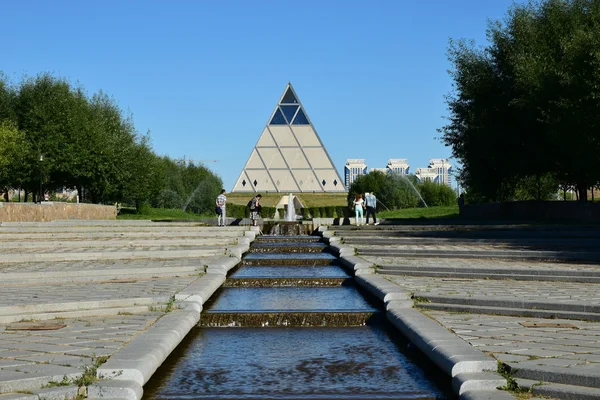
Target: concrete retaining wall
534,210
50,211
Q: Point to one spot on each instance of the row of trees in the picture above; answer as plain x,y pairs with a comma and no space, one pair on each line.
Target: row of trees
525,110
88,144
395,191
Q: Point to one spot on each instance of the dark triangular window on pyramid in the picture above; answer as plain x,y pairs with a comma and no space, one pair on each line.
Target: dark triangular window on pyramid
278,118
289,112
289,98
300,118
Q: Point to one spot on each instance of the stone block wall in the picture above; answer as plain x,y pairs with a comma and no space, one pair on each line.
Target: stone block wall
50,211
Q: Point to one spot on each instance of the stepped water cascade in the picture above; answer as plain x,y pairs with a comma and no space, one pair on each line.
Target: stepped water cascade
289,323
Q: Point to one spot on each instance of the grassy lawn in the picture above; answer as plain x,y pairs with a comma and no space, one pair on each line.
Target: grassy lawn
428,212
307,199
159,214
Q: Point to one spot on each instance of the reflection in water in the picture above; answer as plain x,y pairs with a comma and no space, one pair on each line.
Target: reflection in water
290,299
297,362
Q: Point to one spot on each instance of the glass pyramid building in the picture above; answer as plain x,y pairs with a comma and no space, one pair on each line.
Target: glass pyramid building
289,155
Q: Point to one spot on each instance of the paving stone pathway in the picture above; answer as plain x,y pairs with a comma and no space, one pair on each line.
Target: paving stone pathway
61,316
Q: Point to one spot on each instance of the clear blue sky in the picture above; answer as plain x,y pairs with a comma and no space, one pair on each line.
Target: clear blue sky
204,76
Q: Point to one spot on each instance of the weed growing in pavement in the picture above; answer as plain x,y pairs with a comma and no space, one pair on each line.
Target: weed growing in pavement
89,376
65,382
511,384
170,304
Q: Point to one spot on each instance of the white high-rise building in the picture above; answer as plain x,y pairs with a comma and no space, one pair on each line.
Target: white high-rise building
398,166
439,171
354,168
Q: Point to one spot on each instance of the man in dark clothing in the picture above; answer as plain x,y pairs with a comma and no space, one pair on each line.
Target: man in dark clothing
255,209
371,204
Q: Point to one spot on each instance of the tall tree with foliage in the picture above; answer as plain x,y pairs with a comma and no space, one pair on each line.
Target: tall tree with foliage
527,105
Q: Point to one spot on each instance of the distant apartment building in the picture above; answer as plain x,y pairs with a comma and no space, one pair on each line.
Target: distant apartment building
398,166
354,168
438,171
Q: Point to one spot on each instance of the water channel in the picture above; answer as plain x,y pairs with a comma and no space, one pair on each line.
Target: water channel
289,323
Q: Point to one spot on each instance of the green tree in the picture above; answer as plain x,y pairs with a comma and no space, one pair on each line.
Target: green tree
392,190
531,95
14,150
436,194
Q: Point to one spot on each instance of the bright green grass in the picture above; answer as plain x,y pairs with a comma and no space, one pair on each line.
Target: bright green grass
159,214
427,212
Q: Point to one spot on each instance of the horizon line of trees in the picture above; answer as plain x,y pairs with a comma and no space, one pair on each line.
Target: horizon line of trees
89,144
525,110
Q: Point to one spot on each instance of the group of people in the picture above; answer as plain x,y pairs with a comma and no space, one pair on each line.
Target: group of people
369,202
362,206
220,203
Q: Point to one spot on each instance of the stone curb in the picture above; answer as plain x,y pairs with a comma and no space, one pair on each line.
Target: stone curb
477,382
383,289
450,353
222,265
202,288
140,358
125,390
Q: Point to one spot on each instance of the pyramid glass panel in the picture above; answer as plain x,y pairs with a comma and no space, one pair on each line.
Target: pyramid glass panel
278,118
289,97
289,112
300,118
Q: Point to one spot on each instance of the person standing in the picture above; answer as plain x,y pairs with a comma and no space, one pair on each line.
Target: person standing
358,209
371,204
255,209
220,209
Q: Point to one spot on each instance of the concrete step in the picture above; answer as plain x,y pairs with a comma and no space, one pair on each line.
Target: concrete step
112,255
483,254
95,312
520,312
98,275
406,271
155,234
80,305
559,391
493,301
547,243
178,242
117,229
470,231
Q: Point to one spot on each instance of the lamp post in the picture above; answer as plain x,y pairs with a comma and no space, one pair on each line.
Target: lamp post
41,177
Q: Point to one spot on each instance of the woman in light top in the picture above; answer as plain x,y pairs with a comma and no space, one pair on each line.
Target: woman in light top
358,209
